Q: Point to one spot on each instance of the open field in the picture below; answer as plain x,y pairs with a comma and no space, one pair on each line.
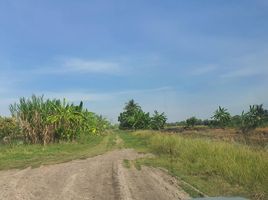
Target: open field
257,138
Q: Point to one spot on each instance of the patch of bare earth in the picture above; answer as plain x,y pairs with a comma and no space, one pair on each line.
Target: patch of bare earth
100,177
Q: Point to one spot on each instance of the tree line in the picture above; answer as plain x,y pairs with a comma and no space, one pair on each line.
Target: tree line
133,117
255,117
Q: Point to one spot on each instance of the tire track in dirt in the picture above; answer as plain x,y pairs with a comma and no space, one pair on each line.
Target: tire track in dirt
98,178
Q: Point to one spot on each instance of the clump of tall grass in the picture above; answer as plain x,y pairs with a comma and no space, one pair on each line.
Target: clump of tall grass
237,164
46,121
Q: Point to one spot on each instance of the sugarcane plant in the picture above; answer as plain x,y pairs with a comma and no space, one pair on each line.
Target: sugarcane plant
46,121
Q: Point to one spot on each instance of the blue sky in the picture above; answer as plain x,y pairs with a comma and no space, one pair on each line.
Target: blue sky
184,58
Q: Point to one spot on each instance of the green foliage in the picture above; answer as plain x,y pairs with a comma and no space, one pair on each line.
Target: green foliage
222,117
191,122
46,121
252,119
8,129
235,121
133,117
130,116
158,121
140,120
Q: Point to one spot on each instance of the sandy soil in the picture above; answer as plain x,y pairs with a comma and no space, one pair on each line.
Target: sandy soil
100,177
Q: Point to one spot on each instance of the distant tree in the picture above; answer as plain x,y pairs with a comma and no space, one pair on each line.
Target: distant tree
206,122
133,117
181,123
191,122
265,118
236,121
222,117
130,116
158,120
132,107
252,119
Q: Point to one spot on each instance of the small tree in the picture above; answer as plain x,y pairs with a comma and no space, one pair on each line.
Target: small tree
191,122
222,117
158,120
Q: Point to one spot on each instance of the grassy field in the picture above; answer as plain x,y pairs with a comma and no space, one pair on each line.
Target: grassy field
213,167
22,156
258,138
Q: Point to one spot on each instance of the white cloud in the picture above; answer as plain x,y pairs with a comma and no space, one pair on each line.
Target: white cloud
93,97
84,66
78,65
77,96
245,72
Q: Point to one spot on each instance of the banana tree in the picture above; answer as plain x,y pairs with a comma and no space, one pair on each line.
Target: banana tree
222,117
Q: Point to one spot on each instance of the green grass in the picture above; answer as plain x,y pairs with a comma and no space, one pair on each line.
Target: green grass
215,168
135,140
22,156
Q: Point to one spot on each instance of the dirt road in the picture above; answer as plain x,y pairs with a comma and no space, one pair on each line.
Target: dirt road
100,177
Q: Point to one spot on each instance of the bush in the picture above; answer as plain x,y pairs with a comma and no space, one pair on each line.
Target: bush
191,122
9,129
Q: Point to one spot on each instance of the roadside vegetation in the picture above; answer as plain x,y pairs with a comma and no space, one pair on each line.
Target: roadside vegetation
35,155
42,121
44,131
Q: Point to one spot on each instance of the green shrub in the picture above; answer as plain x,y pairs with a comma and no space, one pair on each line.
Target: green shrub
252,119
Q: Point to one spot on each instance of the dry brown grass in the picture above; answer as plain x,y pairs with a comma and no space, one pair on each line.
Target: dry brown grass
257,138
